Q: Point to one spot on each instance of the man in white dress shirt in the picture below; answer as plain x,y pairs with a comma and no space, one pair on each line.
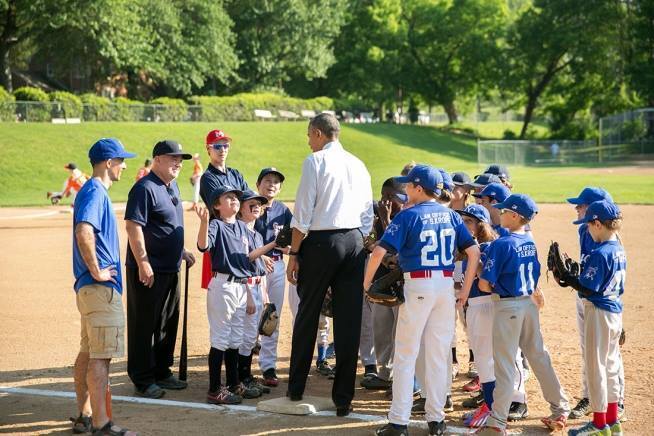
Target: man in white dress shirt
333,213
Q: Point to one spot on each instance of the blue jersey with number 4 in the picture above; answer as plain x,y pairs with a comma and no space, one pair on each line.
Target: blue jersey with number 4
426,237
512,265
604,273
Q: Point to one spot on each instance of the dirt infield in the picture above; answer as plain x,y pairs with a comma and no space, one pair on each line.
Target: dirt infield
40,335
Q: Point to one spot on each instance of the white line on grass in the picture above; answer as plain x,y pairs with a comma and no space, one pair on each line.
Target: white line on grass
34,215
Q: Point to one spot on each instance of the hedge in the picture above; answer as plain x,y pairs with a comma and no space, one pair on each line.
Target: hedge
125,109
96,108
7,107
70,105
37,111
167,109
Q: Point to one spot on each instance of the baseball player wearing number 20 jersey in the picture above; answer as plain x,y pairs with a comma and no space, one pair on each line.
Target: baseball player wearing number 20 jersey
425,236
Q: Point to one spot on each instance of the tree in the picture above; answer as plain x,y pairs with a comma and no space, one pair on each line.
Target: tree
640,53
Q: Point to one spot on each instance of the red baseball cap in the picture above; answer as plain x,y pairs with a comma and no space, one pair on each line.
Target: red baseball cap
215,136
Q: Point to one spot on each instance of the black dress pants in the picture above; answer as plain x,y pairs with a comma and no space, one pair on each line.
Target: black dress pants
333,258
152,319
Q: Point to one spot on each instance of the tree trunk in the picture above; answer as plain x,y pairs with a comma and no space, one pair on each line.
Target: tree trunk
529,113
8,38
450,110
5,68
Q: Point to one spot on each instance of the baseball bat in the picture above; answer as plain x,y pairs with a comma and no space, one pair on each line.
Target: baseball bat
183,356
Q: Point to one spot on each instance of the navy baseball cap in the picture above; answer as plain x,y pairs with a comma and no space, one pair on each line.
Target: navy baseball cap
224,189
521,204
448,183
591,194
425,176
476,211
496,191
250,194
460,178
170,148
108,148
602,210
485,179
270,170
499,170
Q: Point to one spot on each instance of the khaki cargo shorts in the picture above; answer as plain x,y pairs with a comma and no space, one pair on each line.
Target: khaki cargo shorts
103,322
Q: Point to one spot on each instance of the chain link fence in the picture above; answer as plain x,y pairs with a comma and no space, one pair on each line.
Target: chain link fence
627,133
538,152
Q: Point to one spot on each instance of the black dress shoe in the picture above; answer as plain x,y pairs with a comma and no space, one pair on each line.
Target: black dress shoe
293,397
344,410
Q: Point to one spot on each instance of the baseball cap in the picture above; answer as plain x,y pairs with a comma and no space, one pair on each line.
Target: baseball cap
591,194
448,183
499,170
521,204
270,170
460,178
476,211
425,176
215,136
169,147
108,148
250,194
495,191
222,190
70,166
485,179
602,210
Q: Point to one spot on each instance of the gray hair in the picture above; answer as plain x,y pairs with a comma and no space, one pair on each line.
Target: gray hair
327,124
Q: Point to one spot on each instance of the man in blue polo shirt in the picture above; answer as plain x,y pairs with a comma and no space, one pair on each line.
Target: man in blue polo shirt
98,284
155,228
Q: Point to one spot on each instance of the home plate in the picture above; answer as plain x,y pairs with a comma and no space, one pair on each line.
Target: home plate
285,406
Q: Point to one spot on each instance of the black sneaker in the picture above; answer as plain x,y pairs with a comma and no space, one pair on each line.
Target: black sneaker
449,407
473,402
326,369
172,383
391,430
518,411
152,391
375,383
580,410
419,406
437,428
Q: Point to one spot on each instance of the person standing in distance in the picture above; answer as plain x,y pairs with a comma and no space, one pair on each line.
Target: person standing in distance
333,215
155,228
99,285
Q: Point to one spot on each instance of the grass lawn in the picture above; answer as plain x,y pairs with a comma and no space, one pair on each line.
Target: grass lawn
496,129
33,156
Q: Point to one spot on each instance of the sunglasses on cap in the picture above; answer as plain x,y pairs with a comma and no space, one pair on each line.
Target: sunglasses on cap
219,146
173,198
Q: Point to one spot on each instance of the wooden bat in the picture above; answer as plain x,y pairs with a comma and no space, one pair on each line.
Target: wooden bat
183,356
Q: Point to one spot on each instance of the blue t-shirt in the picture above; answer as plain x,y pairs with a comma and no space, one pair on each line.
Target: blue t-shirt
229,245
604,273
212,178
426,237
258,267
271,222
151,204
474,289
586,244
512,265
93,206
501,231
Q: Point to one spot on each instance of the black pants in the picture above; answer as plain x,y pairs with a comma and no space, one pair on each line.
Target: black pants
337,259
152,318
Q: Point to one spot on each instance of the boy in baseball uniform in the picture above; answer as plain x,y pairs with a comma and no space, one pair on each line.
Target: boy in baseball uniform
426,236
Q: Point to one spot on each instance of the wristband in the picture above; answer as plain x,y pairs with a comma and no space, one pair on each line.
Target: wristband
293,253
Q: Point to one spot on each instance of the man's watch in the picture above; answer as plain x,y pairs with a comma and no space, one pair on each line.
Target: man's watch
293,253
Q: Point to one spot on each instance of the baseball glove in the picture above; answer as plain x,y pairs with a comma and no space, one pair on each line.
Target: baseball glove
560,264
284,237
269,320
388,290
623,338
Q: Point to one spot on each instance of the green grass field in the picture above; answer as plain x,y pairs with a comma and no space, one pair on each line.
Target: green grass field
33,156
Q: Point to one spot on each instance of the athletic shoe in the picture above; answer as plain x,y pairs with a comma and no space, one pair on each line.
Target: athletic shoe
478,417
81,424
437,428
418,407
449,407
473,402
270,378
622,416
330,353
152,391
518,411
324,368
369,370
589,429
375,383
581,409
472,386
390,430
247,392
555,422
455,370
616,429
172,383
255,383
223,396
490,431
472,370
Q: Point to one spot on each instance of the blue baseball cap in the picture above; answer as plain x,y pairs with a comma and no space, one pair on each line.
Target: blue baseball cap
448,183
108,148
222,190
495,191
250,194
602,210
521,204
485,179
425,176
460,178
270,170
499,170
591,194
476,211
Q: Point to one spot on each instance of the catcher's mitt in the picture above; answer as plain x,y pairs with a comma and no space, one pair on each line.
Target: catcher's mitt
623,338
283,238
327,308
269,320
561,265
388,289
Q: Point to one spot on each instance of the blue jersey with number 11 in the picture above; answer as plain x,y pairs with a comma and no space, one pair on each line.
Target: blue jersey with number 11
512,265
426,237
